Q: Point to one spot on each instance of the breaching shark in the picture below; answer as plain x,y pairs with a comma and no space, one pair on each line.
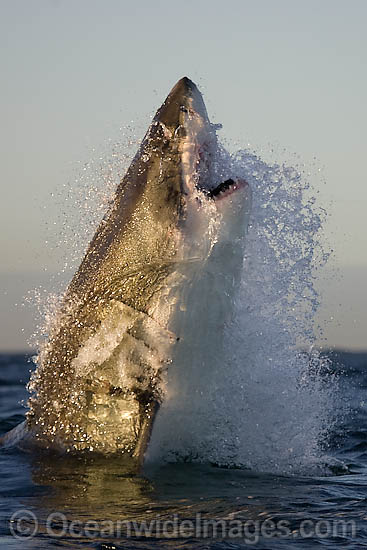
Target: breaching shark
155,289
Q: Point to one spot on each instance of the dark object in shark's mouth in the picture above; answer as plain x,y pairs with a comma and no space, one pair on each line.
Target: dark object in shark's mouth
226,188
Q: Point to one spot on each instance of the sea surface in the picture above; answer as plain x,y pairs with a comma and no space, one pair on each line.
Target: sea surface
62,501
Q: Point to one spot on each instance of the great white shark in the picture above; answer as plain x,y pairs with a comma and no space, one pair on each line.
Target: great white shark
155,289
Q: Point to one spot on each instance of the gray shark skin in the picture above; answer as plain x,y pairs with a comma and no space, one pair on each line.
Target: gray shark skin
156,281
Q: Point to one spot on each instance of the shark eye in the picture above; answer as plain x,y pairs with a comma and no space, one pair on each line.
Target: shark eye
159,131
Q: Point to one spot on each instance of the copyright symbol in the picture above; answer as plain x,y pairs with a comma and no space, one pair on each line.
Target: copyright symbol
23,524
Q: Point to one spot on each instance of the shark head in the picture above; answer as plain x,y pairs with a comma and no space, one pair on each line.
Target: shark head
184,117
175,176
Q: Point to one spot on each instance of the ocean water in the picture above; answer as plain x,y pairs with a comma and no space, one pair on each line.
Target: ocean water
63,501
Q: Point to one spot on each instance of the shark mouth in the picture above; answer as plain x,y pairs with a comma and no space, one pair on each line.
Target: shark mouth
227,188
199,147
197,173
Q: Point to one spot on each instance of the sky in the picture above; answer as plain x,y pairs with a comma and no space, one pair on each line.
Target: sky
286,74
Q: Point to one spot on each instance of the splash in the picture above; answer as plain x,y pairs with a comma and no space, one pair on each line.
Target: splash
258,404
266,406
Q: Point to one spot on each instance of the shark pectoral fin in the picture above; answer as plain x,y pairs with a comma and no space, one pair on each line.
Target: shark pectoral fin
145,432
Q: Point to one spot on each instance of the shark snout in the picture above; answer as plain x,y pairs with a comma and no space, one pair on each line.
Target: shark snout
183,99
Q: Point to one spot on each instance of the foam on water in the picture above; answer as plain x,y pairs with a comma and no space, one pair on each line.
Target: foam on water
261,403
